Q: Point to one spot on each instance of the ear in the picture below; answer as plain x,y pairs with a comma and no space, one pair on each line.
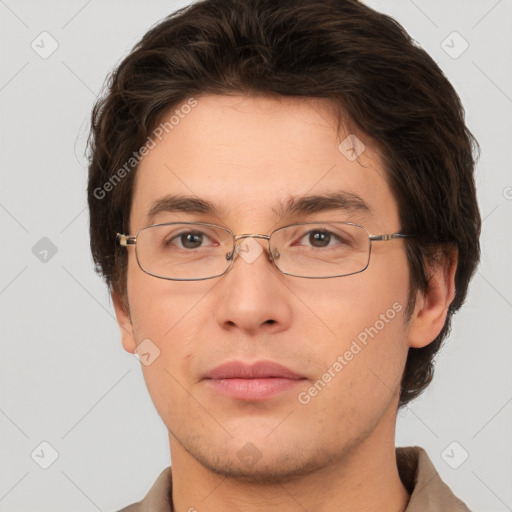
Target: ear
432,306
125,322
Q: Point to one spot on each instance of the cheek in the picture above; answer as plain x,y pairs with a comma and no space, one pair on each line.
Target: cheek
172,316
164,316
361,365
345,307
160,308
360,333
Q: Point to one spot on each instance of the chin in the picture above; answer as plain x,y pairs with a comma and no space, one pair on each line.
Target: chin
252,465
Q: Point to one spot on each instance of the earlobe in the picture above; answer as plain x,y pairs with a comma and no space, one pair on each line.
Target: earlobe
432,306
125,323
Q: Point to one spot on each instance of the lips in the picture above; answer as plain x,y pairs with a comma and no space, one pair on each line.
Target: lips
258,381
258,370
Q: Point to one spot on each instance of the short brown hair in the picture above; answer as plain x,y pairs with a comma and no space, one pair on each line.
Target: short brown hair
365,62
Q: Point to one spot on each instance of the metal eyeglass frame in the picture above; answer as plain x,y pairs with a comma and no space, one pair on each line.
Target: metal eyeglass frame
126,241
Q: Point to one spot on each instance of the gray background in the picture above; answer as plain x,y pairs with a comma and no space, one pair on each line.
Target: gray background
65,378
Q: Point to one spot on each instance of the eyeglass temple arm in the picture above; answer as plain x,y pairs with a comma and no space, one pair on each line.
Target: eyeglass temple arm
125,240
388,236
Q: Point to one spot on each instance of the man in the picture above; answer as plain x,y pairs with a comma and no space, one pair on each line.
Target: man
282,203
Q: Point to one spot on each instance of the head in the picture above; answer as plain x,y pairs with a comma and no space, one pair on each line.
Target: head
246,106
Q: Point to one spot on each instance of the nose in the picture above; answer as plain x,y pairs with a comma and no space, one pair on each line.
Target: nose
252,296
243,244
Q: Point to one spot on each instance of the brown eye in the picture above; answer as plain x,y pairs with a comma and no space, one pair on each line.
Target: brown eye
191,240
319,238
187,240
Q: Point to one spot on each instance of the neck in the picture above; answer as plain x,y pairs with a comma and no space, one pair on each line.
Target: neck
364,479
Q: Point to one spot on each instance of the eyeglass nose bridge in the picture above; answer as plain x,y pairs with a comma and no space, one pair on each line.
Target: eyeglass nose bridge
271,255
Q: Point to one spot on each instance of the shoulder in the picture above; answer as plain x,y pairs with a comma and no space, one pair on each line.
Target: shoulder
158,498
420,477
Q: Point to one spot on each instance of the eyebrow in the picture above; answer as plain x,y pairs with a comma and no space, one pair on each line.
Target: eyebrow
186,204
340,200
296,205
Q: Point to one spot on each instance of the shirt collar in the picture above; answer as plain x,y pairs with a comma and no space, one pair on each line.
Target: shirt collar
419,476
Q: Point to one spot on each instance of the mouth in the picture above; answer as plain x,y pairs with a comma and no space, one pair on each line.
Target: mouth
254,382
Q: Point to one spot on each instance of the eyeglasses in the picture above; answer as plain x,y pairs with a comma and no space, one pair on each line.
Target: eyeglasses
193,251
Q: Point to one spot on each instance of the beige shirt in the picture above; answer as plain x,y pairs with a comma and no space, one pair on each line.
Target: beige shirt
419,476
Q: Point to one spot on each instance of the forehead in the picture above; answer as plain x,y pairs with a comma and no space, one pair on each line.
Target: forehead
250,155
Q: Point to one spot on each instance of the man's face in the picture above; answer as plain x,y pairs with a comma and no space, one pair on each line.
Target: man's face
247,156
